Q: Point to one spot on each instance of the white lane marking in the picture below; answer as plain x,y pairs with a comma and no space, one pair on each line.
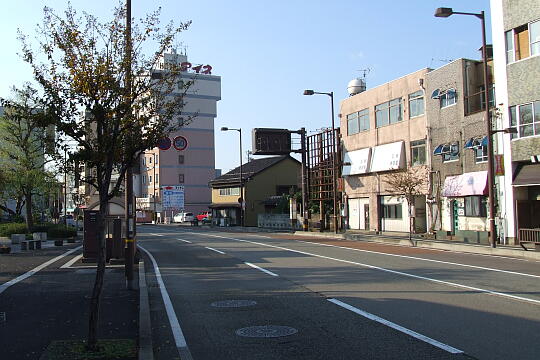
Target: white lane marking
397,327
71,262
178,334
26,275
218,251
491,292
260,268
186,241
424,259
154,234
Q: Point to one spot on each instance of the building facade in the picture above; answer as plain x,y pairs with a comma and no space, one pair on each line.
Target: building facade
189,160
457,133
384,130
516,43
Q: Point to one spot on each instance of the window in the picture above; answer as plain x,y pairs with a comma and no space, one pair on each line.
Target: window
229,191
416,104
157,178
475,206
357,122
522,42
352,124
180,178
144,161
450,152
526,118
144,179
150,160
480,154
448,98
418,152
150,179
388,113
393,211
157,156
180,159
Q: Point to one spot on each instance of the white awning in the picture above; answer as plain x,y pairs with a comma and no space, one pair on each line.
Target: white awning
388,157
356,162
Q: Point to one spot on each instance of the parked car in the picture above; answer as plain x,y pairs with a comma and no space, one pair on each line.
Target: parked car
183,217
204,216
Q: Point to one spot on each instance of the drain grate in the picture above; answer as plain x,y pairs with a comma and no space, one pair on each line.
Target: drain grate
233,303
266,331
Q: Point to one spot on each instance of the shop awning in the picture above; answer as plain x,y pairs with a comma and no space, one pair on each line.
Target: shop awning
438,150
468,184
528,175
356,162
224,205
388,157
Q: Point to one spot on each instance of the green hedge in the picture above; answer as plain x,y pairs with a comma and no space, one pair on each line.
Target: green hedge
61,232
54,231
8,229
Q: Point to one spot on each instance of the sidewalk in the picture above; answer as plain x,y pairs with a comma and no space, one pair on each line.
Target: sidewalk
53,303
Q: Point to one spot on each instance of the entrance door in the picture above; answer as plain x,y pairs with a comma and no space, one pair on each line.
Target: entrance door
366,216
455,217
354,214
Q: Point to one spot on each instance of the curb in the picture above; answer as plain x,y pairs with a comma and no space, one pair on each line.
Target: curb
473,249
145,328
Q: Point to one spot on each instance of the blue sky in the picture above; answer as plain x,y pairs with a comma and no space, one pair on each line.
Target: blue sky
268,52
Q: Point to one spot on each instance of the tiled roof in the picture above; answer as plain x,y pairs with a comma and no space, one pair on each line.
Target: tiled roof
249,170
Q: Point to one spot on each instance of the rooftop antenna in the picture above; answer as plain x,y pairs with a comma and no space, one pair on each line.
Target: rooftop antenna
364,72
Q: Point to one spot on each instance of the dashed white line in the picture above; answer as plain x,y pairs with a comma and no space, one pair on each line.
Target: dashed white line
397,327
486,291
157,234
216,250
186,241
261,269
26,275
178,334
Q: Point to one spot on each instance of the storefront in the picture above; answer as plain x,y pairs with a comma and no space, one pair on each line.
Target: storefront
527,194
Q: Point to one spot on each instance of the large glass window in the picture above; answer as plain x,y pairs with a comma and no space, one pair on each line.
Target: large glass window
522,42
416,104
509,40
526,118
363,120
450,152
448,98
475,206
418,152
389,112
534,33
393,211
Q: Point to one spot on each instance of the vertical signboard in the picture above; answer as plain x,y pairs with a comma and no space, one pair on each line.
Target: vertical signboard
173,197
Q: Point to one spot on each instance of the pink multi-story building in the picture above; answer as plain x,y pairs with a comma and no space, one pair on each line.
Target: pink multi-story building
189,162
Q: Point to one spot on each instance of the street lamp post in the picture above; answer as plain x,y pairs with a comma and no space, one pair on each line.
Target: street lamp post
446,12
224,128
334,179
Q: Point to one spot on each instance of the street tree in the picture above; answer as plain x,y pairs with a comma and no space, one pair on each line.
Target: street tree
407,184
27,146
111,102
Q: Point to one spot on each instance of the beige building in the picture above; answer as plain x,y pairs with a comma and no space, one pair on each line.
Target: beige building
384,129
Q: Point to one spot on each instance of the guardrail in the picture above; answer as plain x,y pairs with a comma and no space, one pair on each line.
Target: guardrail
529,236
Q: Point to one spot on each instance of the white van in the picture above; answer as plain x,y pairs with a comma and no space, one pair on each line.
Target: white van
183,217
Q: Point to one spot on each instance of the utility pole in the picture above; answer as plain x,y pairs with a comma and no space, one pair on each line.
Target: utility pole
130,223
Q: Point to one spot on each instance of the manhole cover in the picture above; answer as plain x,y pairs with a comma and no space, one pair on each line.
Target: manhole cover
233,303
266,331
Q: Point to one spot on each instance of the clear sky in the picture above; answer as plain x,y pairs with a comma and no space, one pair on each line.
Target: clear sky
268,52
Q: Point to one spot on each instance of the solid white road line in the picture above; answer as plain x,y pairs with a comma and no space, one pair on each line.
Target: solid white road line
260,268
491,292
178,335
397,327
186,241
154,234
209,248
424,259
71,262
26,275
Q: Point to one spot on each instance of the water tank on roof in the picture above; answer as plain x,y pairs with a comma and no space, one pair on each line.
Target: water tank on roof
356,86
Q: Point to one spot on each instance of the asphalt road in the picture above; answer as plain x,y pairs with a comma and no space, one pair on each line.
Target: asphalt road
335,299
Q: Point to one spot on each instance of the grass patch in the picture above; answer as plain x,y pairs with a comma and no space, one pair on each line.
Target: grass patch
117,349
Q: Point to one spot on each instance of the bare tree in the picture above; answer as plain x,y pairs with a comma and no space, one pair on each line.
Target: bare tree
82,67
407,184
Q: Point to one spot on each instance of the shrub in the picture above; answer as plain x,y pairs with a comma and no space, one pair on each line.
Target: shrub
12,228
61,232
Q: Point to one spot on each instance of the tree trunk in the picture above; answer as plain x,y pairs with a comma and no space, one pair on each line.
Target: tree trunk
29,212
93,319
